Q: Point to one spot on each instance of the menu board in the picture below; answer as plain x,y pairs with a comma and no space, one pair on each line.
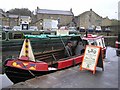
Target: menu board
90,58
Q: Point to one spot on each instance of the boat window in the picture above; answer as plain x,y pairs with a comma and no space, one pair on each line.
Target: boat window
99,43
95,43
103,43
92,43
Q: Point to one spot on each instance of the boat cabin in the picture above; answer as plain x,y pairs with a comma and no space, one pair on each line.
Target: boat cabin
95,40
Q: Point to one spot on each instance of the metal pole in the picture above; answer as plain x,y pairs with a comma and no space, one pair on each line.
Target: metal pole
64,46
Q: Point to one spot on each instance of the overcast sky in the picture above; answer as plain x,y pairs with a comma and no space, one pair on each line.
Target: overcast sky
102,7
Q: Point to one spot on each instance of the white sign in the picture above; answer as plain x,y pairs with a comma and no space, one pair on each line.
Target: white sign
50,24
54,24
47,23
62,32
90,58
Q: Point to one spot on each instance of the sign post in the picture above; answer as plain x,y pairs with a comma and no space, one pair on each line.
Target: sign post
92,58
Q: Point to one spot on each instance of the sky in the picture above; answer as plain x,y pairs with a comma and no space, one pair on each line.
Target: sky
101,7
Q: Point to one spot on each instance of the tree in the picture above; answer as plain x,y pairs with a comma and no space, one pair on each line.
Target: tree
22,11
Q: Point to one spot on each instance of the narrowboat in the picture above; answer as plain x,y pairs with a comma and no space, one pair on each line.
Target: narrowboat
96,40
29,64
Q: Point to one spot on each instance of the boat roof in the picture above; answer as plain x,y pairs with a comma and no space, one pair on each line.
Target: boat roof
45,36
92,38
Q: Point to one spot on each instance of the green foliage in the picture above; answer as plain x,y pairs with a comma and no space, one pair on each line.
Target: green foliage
22,11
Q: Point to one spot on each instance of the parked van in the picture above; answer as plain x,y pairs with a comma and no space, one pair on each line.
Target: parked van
82,29
16,28
90,29
72,28
98,29
63,28
33,28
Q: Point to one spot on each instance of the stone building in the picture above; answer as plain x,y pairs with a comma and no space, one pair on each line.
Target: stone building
3,18
106,21
64,17
10,20
91,19
119,10
13,20
24,19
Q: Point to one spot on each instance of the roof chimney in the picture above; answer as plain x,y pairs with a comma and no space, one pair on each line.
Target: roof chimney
70,9
37,8
91,9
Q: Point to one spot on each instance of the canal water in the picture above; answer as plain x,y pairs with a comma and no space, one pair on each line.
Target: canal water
110,53
5,81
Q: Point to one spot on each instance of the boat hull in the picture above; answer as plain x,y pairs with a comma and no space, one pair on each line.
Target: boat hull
19,75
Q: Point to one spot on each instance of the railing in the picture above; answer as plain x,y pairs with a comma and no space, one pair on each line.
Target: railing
9,35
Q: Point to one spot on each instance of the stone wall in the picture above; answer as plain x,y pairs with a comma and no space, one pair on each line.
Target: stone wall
10,22
5,21
106,22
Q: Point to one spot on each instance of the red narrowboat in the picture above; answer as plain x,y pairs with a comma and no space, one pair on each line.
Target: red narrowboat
30,65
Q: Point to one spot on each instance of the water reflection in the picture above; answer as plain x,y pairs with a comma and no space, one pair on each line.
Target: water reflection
5,81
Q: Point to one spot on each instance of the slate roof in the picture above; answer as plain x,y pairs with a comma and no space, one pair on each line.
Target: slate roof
2,12
16,16
13,16
56,12
25,16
